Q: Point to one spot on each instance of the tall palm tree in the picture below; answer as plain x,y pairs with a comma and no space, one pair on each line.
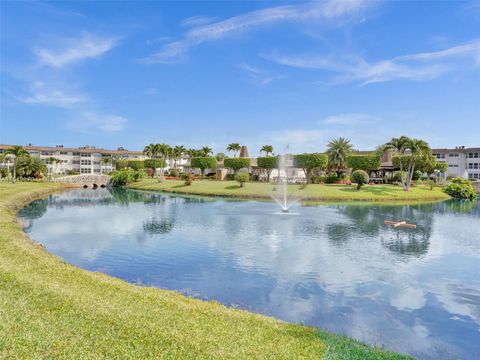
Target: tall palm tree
234,147
267,149
418,148
399,146
338,151
177,152
16,151
206,151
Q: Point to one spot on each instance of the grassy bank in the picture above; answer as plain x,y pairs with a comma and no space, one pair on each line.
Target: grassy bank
49,309
313,192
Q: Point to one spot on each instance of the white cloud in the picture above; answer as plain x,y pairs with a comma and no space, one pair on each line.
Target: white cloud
196,21
259,76
326,10
87,46
45,95
417,67
89,122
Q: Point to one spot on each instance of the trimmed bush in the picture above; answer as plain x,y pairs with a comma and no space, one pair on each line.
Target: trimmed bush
242,178
397,176
267,164
360,177
204,163
331,178
136,164
310,162
236,163
364,162
174,173
461,189
188,178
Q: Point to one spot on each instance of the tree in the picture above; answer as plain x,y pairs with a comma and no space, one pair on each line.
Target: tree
153,152
338,151
267,149
203,163
399,145
417,150
309,163
242,178
28,166
16,152
234,147
237,163
206,151
177,152
360,177
267,164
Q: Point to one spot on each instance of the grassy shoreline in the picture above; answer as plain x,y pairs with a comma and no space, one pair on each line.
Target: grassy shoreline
50,309
313,192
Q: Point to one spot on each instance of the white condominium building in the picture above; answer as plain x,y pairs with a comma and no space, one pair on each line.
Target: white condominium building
462,161
84,160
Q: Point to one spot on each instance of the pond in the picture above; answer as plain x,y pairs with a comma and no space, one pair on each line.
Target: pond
338,267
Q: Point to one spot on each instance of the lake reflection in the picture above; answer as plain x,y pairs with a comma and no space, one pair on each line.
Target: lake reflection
415,291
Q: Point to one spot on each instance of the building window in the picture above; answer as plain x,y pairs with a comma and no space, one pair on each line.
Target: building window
65,161
85,171
473,155
475,165
96,170
86,162
453,155
96,163
439,156
76,153
453,165
85,154
63,153
47,153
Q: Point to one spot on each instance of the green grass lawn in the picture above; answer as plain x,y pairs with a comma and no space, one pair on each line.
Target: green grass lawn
313,192
52,310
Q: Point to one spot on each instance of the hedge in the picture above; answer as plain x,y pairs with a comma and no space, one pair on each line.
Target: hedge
236,163
204,163
267,163
154,163
364,162
309,162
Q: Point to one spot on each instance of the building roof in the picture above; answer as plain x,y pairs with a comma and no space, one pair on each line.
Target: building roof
83,150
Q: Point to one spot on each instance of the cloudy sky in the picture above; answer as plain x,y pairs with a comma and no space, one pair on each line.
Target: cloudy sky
209,73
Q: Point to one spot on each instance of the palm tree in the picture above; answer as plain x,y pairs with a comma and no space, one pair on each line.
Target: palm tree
418,148
206,151
234,147
267,149
338,151
16,151
399,145
177,152
220,156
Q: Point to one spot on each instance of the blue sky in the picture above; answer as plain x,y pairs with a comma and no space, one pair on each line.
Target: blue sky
126,74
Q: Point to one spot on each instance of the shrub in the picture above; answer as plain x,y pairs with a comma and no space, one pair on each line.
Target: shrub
236,163
267,164
320,179
430,183
136,164
174,173
188,178
3,172
364,162
125,176
72,172
417,175
204,163
360,177
461,188
331,178
242,178
397,176
310,162
121,164
441,166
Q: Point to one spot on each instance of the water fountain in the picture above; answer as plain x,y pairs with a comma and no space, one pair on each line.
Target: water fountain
283,198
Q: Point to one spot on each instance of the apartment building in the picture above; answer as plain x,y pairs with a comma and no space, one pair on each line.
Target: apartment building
462,161
85,160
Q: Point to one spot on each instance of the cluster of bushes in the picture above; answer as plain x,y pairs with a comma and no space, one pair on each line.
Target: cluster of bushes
364,162
125,176
461,189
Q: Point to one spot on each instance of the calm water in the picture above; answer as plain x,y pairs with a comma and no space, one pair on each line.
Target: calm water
333,266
